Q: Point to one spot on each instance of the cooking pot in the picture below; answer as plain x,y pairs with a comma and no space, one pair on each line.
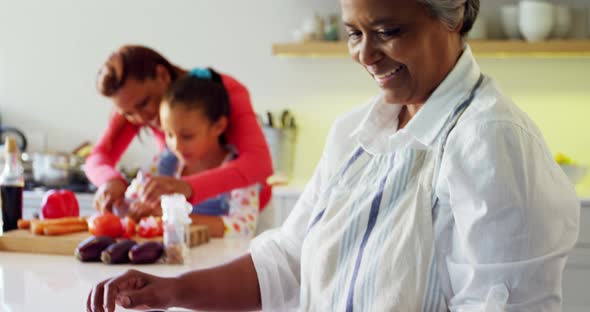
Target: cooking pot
56,169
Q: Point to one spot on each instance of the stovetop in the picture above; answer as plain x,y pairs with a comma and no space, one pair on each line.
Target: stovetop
76,188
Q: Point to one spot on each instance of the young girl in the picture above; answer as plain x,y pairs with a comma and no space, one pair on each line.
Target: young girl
194,116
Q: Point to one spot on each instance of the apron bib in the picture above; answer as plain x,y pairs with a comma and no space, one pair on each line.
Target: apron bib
370,243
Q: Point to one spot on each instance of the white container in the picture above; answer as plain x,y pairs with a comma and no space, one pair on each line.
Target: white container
281,143
509,16
563,22
175,215
536,20
479,31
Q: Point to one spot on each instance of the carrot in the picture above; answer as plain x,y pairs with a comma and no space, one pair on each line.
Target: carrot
23,224
61,229
65,220
38,226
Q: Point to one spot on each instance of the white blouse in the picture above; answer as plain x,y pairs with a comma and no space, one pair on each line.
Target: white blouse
506,214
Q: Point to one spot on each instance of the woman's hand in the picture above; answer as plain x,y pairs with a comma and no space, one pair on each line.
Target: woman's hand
132,290
109,194
140,209
162,185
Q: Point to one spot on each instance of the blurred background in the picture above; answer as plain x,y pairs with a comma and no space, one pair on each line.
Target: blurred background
50,52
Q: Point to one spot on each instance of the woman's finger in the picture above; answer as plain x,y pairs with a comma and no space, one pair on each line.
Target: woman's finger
114,288
154,192
97,295
89,302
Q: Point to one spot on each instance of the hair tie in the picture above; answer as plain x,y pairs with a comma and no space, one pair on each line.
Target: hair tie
202,73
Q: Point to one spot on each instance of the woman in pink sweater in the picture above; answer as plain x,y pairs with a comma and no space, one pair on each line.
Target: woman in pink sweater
135,78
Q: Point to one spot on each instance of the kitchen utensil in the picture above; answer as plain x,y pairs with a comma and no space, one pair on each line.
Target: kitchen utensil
281,143
58,169
536,20
510,21
270,119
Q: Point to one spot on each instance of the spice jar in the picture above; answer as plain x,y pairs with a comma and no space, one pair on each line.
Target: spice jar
175,215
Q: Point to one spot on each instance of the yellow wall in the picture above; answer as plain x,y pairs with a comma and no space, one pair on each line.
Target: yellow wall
554,92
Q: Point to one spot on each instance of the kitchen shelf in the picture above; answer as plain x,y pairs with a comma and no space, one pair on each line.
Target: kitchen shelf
483,48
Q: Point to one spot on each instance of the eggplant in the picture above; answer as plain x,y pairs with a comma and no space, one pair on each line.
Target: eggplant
147,252
90,249
118,252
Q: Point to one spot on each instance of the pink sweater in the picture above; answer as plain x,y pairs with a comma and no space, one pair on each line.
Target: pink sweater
253,165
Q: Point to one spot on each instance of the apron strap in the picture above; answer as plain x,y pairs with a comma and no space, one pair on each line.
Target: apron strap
453,119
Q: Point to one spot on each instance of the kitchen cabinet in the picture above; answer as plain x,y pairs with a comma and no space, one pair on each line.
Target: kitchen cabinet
481,48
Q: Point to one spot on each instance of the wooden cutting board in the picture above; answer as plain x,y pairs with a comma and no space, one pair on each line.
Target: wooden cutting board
24,241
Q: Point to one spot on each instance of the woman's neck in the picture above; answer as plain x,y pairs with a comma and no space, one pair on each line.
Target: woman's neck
214,158
407,113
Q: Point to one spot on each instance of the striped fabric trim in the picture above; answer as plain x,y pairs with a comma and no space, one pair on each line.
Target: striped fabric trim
372,220
434,300
399,177
373,214
354,157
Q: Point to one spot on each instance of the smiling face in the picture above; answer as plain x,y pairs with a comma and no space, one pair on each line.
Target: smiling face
139,100
407,51
190,134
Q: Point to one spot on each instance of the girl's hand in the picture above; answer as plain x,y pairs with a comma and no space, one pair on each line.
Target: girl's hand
132,290
109,194
162,185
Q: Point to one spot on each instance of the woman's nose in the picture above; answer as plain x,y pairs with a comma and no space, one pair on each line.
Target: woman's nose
369,53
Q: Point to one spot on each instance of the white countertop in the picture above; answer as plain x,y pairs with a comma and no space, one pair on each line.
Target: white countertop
30,282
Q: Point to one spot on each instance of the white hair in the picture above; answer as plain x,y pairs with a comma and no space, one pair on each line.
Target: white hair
453,12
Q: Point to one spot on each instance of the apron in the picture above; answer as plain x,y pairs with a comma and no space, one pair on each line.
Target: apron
370,244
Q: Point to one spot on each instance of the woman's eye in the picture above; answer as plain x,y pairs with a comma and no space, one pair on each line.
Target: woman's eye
353,34
389,33
187,136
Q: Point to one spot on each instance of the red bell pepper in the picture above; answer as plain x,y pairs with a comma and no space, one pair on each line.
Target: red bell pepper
59,204
150,227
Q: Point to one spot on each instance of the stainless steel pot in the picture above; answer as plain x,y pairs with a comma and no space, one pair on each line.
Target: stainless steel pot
56,169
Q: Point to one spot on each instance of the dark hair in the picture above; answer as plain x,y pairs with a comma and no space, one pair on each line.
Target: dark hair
133,61
193,93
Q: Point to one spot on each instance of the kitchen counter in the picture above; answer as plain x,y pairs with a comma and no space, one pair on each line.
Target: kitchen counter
30,282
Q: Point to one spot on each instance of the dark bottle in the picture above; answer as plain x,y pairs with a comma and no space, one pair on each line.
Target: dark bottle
11,186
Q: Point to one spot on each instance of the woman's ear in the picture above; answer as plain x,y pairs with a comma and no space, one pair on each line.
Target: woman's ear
162,74
220,126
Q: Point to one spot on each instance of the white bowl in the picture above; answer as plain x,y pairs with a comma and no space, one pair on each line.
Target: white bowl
479,30
536,19
510,21
563,22
574,172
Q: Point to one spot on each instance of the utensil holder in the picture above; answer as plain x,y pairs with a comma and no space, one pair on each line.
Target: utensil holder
281,143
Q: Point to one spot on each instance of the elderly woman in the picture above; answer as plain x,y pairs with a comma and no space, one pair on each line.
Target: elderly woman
437,195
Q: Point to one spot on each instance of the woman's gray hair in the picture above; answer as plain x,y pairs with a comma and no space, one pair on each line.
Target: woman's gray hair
452,12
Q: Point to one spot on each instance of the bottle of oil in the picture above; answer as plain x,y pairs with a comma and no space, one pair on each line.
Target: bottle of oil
11,186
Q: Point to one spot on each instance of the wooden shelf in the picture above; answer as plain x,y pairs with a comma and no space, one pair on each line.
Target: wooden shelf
483,48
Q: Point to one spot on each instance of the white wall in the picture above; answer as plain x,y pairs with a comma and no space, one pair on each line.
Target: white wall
50,52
